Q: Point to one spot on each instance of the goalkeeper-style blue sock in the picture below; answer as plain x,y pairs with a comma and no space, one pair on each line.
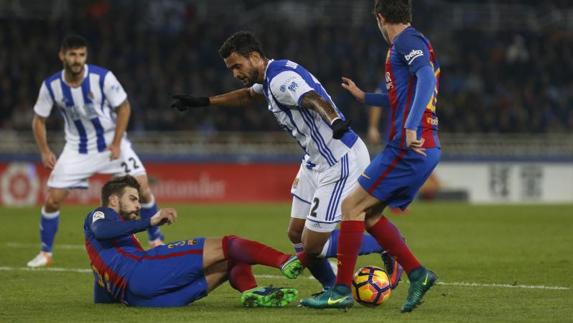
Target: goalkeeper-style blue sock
148,210
320,269
369,245
48,228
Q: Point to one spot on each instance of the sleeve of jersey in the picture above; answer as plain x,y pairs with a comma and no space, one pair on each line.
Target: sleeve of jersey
257,88
44,104
414,52
288,87
113,90
377,99
425,84
106,226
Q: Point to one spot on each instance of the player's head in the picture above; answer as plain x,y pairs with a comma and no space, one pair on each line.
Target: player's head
74,54
244,57
122,195
392,12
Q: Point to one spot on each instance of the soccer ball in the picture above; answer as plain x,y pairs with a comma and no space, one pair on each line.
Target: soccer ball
371,286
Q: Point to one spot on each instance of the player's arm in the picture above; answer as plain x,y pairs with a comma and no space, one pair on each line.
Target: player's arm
237,98
123,112
42,110
415,53
117,98
374,114
371,99
290,89
106,226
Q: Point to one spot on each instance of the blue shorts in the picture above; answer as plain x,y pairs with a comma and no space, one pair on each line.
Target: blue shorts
395,175
169,275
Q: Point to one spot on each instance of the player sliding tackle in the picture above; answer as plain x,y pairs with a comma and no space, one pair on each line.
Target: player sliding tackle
397,173
335,155
178,273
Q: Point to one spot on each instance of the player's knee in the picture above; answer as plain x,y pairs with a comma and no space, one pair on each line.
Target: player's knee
52,204
349,210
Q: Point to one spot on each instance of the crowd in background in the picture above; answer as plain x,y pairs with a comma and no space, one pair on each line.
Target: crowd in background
505,81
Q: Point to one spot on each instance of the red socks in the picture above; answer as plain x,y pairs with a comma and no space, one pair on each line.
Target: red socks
251,252
390,238
241,276
351,233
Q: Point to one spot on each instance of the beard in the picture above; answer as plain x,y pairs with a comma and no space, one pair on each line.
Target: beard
128,215
251,78
74,69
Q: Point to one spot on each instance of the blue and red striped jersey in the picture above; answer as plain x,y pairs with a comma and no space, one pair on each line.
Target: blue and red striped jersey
409,52
112,248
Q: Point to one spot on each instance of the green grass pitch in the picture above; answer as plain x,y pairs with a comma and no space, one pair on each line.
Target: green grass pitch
495,264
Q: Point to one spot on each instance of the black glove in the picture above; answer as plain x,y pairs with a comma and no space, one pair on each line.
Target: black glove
183,102
339,128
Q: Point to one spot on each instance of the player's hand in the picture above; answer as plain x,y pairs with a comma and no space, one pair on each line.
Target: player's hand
163,216
183,102
115,151
373,135
413,143
351,87
339,128
49,159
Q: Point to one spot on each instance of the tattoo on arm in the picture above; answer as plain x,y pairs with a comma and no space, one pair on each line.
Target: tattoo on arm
311,100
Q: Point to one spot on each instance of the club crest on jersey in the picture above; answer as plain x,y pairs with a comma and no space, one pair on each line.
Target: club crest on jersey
98,215
295,183
415,53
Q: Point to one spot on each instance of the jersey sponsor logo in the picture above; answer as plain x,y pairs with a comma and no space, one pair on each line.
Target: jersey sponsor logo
98,215
293,86
415,53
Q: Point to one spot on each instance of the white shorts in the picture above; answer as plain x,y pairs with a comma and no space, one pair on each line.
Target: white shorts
73,169
317,195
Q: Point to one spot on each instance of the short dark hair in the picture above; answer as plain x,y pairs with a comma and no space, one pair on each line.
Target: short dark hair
394,11
73,41
243,43
116,186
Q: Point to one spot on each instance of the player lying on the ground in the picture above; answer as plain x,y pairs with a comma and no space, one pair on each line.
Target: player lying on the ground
334,154
178,273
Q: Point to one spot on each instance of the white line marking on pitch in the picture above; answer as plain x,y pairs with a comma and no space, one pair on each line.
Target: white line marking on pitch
37,245
460,284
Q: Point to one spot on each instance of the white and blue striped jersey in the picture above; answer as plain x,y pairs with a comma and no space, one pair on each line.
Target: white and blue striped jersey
284,84
88,110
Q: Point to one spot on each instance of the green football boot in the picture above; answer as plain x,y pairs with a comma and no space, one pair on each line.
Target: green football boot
337,297
268,296
292,268
421,280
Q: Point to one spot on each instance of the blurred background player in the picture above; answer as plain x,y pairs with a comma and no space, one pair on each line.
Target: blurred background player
96,113
397,173
178,273
335,155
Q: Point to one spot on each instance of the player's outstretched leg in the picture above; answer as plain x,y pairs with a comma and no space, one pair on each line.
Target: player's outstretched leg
421,280
252,252
268,296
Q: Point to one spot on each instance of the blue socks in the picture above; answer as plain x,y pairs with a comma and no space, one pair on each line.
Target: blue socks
48,228
320,269
369,245
148,210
